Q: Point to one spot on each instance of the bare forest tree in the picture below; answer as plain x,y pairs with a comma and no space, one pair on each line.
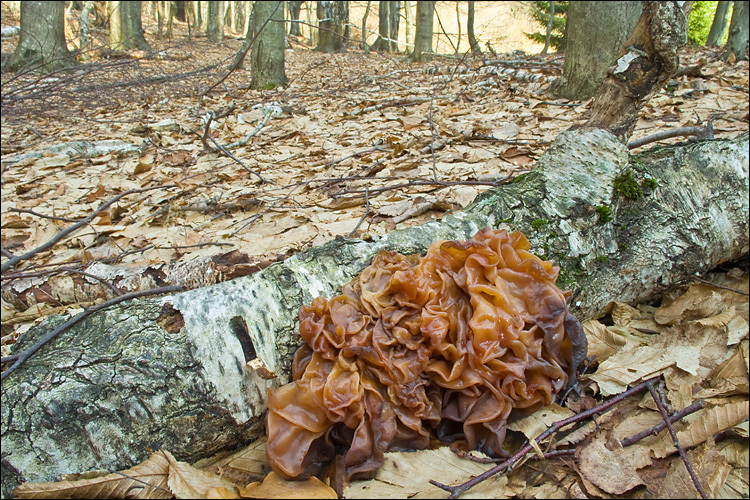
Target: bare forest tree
388,22
215,25
294,10
423,35
333,17
738,31
719,24
475,49
646,62
42,40
596,32
125,28
269,49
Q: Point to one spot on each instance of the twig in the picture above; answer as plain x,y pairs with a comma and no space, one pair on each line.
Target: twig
456,491
706,132
680,449
697,405
62,234
367,211
741,292
23,356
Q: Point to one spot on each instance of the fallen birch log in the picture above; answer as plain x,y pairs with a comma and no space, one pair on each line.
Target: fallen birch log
189,372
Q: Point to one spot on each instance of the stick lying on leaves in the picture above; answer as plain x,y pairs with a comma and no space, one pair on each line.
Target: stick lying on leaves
457,491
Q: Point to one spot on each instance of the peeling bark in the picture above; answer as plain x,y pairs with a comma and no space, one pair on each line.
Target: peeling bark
647,61
188,373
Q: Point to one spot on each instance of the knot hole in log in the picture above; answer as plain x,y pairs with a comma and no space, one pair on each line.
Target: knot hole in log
240,330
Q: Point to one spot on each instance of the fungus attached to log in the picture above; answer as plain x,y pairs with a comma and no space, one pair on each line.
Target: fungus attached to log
451,344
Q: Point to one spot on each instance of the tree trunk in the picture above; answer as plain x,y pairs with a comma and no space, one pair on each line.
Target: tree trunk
423,35
335,16
550,22
409,26
647,61
738,32
173,372
365,47
268,53
115,24
294,8
84,32
394,12
384,19
215,25
132,29
596,32
719,24
41,45
475,49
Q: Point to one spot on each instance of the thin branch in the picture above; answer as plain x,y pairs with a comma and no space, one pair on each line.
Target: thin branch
706,132
10,263
680,449
741,292
23,356
456,491
367,211
697,405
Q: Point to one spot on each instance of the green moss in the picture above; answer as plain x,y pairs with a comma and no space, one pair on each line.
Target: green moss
519,177
605,214
623,246
537,224
626,185
649,183
602,258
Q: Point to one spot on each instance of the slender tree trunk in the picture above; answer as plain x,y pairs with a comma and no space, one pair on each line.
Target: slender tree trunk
409,27
424,33
294,8
365,47
458,22
82,396
719,24
475,49
42,40
394,14
268,53
550,22
333,18
384,19
215,26
170,13
84,35
115,24
738,32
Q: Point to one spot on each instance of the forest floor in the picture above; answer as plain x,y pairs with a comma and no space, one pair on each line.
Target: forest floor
355,145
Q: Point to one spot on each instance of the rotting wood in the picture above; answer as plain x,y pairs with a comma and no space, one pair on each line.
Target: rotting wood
127,381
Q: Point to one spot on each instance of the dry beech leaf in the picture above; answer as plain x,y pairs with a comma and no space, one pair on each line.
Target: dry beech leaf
711,468
704,424
407,475
623,314
186,481
538,422
275,487
244,465
146,480
605,464
603,343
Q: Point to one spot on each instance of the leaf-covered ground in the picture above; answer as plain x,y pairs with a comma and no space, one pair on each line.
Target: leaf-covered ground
357,145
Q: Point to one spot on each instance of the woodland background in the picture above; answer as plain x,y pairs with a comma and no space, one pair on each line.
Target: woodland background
356,144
